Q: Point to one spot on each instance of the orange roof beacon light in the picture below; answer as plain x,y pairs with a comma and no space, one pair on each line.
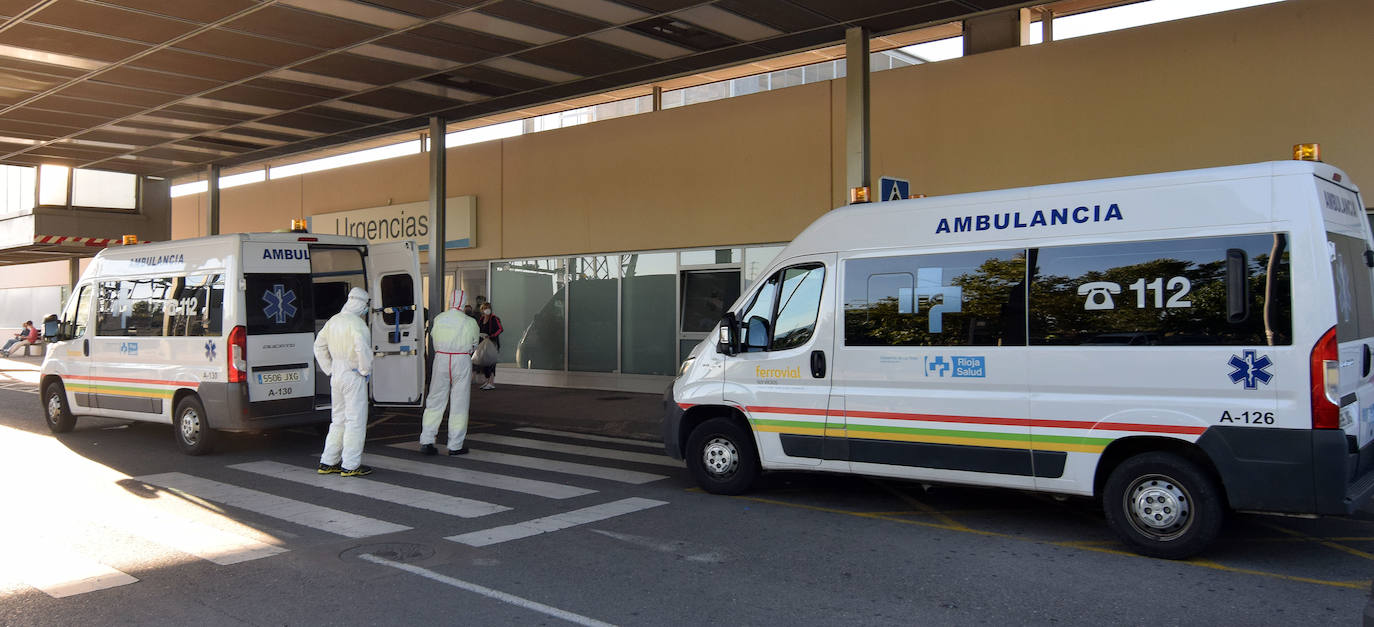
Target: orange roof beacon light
858,195
1307,152
298,226
130,240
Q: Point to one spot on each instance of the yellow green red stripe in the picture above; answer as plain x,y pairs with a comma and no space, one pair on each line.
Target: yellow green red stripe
994,439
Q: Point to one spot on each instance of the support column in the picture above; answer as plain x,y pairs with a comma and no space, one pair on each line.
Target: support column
1046,24
212,197
438,191
658,98
73,274
856,108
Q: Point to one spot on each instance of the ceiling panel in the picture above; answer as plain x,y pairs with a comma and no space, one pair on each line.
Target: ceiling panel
259,97
159,81
434,47
583,57
183,9
423,8
193,64
135,139
402,100
95,90
35,37
780,14
67,121
542,17
250,48
362,69
114,22
469,39
312,29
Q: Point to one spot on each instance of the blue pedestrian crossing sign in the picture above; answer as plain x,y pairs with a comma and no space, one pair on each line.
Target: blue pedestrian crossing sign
890,188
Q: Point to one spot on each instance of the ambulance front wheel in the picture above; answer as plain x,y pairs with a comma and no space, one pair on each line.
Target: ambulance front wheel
58,416
721,457
192,429
1163,505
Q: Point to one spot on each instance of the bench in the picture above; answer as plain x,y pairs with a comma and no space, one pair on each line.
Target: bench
41,346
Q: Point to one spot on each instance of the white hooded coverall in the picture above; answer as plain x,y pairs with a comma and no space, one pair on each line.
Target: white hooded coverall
344,350
454,334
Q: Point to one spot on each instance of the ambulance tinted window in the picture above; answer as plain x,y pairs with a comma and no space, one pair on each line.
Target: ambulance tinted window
279,303
1231,290
1351,277
133,307
956,299
398,290
198,306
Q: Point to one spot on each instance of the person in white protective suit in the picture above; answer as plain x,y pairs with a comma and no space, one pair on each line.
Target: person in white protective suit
344,350
453,335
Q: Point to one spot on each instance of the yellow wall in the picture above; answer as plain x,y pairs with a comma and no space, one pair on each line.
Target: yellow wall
1229,88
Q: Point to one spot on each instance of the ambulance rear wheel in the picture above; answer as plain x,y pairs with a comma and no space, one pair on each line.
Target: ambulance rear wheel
721,457
58,416
192,429
1163,505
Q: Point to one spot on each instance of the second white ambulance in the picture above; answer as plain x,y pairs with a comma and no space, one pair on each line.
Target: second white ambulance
1174,345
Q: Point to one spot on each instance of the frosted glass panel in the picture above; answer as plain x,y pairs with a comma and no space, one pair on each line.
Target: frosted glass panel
592,286
104,190
528,296
52,185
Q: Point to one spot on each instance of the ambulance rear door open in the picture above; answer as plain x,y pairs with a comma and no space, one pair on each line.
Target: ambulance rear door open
397,322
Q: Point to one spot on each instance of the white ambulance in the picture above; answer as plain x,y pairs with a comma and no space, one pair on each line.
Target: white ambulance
216,333
1175,345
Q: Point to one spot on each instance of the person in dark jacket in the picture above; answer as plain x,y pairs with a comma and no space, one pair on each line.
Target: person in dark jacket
490,326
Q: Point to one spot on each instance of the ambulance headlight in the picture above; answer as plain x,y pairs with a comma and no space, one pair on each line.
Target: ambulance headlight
686,365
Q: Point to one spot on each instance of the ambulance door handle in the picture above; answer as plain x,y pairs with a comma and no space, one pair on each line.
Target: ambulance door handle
818,364
1366,360
85,348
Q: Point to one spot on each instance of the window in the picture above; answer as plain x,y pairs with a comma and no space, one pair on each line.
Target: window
99,189
955,299
279,303
1354,315
705,295
761,307
134,307
398,290
197,307
1231,290
77,314
799,300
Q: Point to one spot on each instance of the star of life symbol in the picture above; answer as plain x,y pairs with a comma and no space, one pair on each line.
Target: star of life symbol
1250,369
280,303
210,350
938,365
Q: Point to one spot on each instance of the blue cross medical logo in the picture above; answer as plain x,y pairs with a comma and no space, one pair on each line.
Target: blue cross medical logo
210,350
940,366
1251,369
280,304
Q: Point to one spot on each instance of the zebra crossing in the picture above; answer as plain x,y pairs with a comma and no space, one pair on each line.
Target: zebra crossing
63,568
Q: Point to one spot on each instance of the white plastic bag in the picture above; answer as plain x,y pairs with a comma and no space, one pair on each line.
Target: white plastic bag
486,354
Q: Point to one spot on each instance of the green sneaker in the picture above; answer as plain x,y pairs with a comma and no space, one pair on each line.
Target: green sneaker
357,472
327,469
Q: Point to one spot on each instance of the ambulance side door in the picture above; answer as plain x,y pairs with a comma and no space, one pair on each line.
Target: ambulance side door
397,322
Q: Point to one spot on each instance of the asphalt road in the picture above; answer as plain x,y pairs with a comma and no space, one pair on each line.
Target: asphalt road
110,524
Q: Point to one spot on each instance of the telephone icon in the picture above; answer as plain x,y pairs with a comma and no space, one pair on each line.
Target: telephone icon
1099,295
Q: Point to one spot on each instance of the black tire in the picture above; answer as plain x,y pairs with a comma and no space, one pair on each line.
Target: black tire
55,410
722,457
192,428
1163,505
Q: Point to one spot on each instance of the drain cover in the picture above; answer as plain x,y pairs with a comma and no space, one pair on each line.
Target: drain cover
394,551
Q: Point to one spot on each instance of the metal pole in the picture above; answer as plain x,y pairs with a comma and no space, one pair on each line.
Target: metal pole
658,98
212,197
856,108
438,192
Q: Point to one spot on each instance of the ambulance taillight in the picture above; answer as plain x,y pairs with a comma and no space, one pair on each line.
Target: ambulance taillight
238,355
1325,374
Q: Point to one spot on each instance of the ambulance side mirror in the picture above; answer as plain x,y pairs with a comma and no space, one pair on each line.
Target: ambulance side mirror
728,341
